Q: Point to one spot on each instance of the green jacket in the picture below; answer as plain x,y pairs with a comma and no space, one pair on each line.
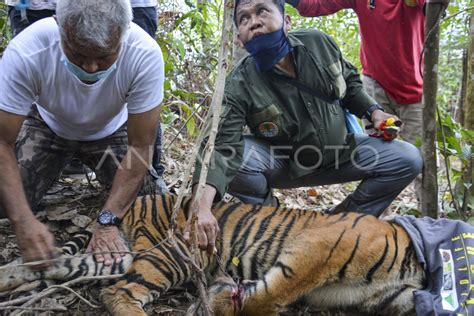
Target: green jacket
283,115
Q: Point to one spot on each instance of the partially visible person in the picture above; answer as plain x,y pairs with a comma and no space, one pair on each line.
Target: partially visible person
144,15
87,84
22,14
392,34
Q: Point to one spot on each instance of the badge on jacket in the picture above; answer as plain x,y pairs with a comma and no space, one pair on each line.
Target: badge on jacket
268,129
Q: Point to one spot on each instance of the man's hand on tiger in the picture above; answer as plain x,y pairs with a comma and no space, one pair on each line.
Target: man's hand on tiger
378,119
107,244
207,226
207,230
35,242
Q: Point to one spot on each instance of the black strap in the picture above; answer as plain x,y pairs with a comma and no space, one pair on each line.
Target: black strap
305,88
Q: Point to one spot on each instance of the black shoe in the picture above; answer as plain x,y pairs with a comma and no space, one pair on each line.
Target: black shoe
336,210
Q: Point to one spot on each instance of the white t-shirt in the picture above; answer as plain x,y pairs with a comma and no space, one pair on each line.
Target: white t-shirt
51,4
31,71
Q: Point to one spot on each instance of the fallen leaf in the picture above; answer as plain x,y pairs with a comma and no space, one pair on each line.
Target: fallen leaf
163,310
81,220
72,229
27,287
60,213
53,226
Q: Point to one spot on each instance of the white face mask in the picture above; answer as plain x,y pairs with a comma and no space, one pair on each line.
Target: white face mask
84,75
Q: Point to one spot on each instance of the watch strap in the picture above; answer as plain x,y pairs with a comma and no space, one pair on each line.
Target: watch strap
371,109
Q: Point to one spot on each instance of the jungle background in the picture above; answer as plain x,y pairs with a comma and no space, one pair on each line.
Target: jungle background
189,36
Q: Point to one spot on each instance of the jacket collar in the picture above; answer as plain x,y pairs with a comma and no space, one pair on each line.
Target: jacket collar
294,41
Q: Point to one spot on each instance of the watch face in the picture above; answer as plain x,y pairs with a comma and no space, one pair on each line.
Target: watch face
105,218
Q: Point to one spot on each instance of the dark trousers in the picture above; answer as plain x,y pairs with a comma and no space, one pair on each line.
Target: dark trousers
146,18
385,169
17,24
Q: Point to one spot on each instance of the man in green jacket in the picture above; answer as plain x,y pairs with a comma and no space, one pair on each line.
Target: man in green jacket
292,92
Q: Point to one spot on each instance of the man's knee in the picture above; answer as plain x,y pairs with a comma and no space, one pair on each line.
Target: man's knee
250,184
410,158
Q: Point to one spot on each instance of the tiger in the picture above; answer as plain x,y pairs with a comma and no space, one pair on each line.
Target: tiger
267,258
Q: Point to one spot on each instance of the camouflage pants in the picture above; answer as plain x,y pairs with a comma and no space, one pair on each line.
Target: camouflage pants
42,155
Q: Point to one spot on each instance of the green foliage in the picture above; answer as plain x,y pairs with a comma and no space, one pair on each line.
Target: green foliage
456,145
5,33
453,42
189,41
342,26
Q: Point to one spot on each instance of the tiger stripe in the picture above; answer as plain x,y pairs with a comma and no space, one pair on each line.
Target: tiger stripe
342,271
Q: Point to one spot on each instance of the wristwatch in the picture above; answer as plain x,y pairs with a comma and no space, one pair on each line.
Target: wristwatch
371,109
107,218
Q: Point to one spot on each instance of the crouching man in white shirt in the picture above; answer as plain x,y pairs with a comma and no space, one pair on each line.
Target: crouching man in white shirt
88,85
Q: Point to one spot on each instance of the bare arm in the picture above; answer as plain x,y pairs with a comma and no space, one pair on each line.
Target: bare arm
12,195
207,197
129,178
312,8
33,237
127,182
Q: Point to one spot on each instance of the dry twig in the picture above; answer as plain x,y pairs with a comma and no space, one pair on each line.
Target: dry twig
55,288
60,286
36,309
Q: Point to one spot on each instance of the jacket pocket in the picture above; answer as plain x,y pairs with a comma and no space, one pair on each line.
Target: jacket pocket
338,82
267,123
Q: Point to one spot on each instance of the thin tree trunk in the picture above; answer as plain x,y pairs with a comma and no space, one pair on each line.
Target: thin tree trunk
469,110
215,110
469,99
214,114
458,110
429,190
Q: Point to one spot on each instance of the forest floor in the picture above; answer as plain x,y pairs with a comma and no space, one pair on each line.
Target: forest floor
74,202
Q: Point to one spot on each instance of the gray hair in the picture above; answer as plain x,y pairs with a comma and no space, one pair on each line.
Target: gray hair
94,22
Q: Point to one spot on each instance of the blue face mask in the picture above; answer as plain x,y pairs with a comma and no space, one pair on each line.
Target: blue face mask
268,49
86,76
